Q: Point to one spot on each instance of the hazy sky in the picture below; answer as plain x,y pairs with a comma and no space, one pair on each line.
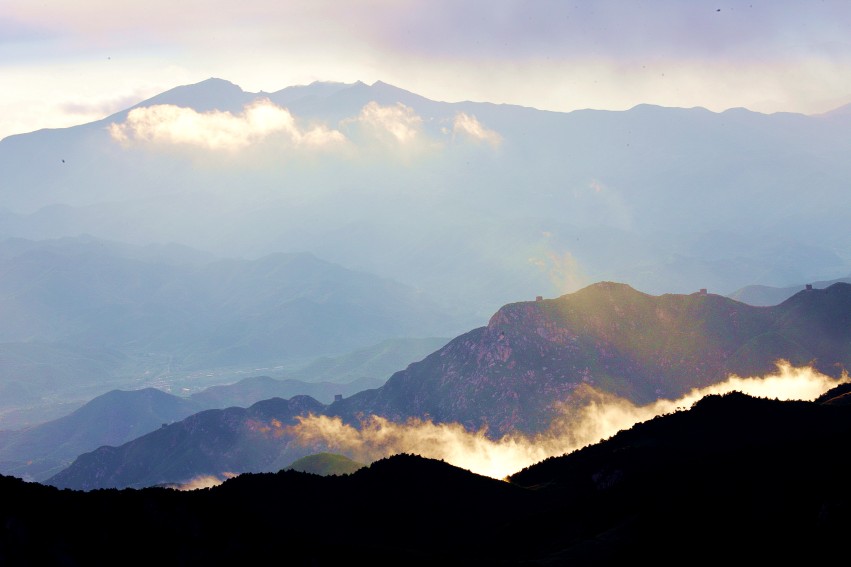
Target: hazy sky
65,62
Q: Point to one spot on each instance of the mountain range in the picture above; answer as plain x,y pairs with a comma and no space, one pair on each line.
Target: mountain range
733,476
271,229
534,363
316,239
477,204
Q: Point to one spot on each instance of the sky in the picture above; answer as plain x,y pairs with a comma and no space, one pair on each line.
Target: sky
68,62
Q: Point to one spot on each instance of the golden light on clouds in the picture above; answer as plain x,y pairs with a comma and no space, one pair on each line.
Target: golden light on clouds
601,417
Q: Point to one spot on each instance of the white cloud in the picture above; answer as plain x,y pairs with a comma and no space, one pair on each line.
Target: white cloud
398,122
469,126
218,130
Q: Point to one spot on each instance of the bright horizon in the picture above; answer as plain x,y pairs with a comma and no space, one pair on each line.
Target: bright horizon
65,63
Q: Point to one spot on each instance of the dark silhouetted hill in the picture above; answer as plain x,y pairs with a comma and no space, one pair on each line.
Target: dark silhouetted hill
326,464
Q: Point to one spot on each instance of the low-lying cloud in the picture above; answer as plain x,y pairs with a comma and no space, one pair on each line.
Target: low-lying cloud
398,121
218,130
388,130
467,125
600,417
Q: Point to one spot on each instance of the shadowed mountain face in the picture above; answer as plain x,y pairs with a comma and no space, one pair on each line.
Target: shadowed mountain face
526,368
734,476
514,374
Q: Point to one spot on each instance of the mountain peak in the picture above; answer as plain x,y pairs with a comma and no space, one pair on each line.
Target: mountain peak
209,94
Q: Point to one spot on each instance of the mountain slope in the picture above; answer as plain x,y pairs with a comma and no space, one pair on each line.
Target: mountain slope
515,374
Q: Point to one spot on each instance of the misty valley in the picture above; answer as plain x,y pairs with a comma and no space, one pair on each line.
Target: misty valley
344,322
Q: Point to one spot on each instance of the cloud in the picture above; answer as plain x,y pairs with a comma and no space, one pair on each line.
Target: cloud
217,130
469,126
397,123
599,417
376,131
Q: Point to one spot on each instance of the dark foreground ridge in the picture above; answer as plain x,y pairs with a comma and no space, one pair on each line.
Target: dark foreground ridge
733,477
